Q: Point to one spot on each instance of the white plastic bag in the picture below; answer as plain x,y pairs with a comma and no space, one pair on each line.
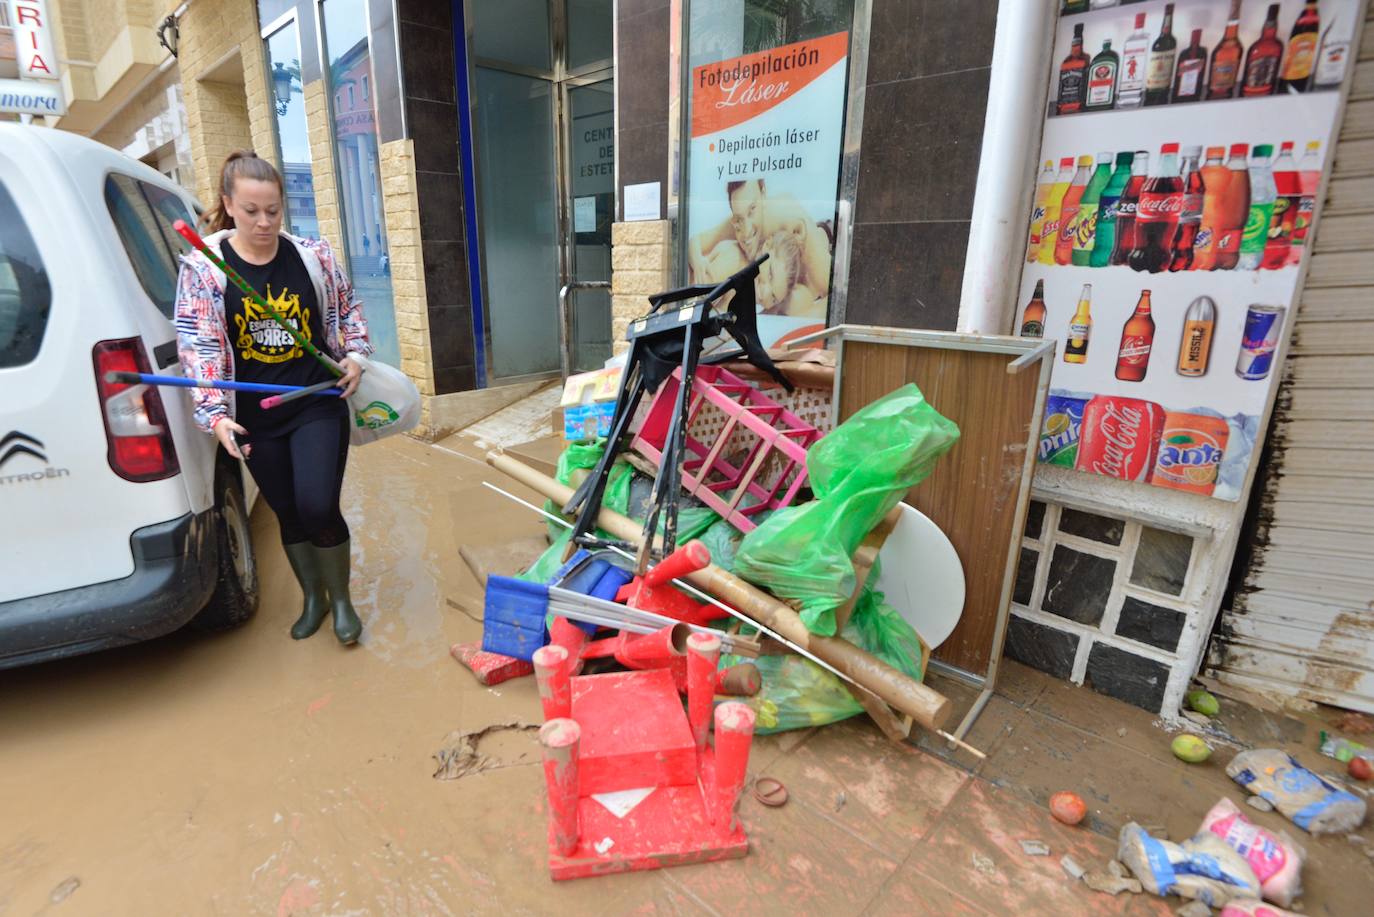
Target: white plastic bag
1276,858
386,402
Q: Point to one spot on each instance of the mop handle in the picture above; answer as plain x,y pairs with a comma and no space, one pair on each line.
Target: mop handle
316,389
190,235
179,382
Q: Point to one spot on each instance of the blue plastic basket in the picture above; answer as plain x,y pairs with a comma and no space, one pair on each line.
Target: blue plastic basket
513,617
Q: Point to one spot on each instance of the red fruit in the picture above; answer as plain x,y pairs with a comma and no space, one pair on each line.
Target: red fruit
1068,807
1360,769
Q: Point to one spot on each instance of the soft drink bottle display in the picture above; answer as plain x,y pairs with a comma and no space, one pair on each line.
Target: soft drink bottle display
1215,178
1080,326
1235,209
1033,320
1085,223
1159,79
1309,180
1225,75
1049,233
1137,340
1135,61
1190,216
1262,60
1037,227
1108,208
1302,49
1199,322
1126,209
1068,211
1262,196
1157,214
1283,219
1191,74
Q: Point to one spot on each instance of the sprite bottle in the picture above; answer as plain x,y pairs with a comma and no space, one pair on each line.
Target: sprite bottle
1110,196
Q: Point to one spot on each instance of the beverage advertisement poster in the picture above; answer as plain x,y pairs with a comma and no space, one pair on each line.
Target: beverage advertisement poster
1183,152
763,174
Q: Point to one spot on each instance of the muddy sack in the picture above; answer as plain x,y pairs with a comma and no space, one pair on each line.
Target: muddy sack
1276,858
1204,868
1304,798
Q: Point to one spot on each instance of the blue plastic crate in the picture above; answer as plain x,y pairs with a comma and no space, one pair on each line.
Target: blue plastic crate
513,617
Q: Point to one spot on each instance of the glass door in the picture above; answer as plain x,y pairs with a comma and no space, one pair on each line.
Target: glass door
590,156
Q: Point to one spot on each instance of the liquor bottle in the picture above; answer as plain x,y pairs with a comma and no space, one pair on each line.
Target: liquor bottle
1191,70
1302,50
1309,180
1225,74
1042,193
1190,216
1103,4
1126,209
1108,209
1235,209
1049,233
1073,6
1135,59
1068,211
1262,60
1080,326
1156,215
1102,79
1085,224
1262,195
1137,339
1198,324
1215,177
1159,79
1073,73
1278,242
1335,48
1033,320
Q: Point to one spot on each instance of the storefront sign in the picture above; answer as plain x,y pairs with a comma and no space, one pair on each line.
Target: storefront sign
763,172
1180,169
31,97
33,41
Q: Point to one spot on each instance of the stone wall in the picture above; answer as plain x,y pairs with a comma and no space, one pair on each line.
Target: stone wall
641,263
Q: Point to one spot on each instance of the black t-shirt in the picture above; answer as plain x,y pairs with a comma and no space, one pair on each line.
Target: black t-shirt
264,352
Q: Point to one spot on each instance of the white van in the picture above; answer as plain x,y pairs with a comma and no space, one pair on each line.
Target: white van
119,520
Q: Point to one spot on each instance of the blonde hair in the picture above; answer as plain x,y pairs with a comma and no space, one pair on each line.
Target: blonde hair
240,164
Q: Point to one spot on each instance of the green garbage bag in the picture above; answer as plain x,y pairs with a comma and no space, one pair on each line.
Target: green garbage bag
858,473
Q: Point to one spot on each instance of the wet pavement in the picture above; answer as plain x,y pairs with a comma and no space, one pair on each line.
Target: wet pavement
247,773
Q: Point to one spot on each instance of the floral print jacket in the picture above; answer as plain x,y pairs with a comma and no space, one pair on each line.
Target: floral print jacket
203,334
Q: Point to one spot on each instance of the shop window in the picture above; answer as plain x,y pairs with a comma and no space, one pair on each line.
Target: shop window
293,143
1161,561
1091,526
514,32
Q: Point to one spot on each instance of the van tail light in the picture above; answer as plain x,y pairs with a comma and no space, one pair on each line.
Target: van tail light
141,447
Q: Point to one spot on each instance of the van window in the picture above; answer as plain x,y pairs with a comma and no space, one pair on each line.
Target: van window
143,214
25,295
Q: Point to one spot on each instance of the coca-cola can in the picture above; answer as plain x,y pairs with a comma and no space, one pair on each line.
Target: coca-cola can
1119,437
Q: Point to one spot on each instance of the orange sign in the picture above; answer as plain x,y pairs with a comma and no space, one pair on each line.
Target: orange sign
732,91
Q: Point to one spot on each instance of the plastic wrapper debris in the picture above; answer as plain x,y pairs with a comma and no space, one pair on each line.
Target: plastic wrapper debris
858,473
1304,798
1249,907
1344,750
1203,868
1275,857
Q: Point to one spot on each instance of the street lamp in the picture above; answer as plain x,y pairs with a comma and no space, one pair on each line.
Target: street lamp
281,86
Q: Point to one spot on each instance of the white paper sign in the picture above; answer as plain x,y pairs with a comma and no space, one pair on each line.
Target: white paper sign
641,202
31,97
584,214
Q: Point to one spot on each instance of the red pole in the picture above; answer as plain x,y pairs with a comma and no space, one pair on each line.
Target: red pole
703,654
572,638
657,650
561,739
689,558
551,671
734,735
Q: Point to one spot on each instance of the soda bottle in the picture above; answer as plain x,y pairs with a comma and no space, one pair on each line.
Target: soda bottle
1191,73
1160,78
1262,196
1135,60
1068,211
1225,75
1309,181
1157,214
1137,339
1126,209
1235,209
1080,326
1262,60
1102,79
1199,322
1108,207
1302,50
1190,217
1049,233
1215,177
1287,201
1085,223
1042,193
1073,74
1033,319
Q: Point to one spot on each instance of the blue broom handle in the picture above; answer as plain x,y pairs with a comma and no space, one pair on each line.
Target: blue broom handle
180,382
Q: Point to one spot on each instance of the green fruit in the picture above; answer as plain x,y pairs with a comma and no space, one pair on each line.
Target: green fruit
1191,749
1203,702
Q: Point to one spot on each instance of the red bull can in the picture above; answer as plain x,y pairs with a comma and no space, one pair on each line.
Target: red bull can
1260,340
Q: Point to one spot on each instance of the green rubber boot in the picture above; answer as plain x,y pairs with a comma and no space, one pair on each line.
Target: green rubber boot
334,562
306,565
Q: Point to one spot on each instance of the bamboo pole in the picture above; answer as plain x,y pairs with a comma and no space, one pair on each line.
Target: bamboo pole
925,705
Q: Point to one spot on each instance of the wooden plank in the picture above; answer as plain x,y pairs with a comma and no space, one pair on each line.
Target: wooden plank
1348,195
1332,372
1358,123
1302,488
1354,157
1326,542
1341,269
1332,404
1336,304
1363,85
1294,561
1322,516
1345,232
1335,339
972,492
1334,433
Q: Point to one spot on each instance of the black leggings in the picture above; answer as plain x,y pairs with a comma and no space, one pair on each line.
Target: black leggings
300,475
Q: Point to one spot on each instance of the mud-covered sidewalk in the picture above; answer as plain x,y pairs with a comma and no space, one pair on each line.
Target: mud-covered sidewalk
248,773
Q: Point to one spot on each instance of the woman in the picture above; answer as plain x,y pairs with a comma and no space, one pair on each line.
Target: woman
296,451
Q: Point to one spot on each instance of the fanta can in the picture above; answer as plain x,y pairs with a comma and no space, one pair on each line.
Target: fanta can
1190,452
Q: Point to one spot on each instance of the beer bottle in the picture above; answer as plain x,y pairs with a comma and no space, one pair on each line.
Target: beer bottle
1037,227
1076,349
1302,50
1108,206
1191,73
1033,319
1085,224
1159,79
1262,60
1225,75
1073,76
1198,324
1137,338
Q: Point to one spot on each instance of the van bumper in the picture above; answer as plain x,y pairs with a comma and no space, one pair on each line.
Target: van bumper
175,570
